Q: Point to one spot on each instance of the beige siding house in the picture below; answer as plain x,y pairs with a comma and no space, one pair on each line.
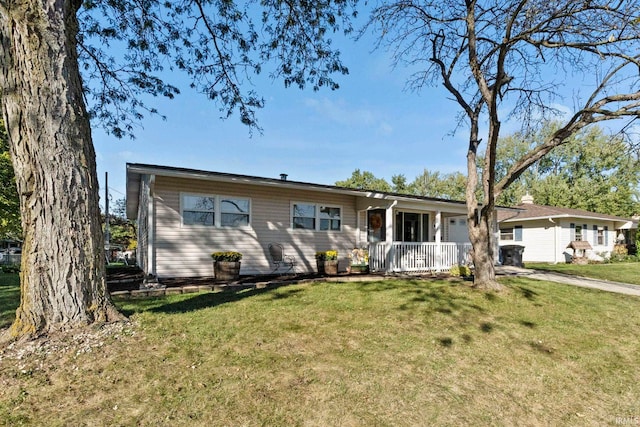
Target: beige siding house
184,215
546,231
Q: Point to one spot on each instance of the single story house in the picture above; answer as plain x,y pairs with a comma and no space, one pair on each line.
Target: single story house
547,232
184,215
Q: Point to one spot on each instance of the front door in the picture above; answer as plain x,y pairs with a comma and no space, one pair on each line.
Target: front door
376,225
411,227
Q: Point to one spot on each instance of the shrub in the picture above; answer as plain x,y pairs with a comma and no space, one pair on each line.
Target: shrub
460,270
10,268
229,256
330,255
620,250
622,258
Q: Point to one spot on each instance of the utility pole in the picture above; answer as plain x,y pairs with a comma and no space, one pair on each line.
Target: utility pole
107,236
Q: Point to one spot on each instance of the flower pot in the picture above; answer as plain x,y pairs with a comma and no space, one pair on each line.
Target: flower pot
329,268
226,271
358,269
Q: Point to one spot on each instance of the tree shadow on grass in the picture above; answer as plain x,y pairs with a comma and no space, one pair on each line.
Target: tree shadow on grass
199,301
444,298
469,311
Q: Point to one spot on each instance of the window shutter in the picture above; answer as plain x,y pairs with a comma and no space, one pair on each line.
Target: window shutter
517,233
572,232
585,233
595,234
606,235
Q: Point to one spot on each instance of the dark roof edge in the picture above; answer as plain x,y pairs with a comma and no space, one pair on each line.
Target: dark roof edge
176,171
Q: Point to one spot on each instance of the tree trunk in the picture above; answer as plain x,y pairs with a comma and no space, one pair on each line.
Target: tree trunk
63,266
484,276
479,220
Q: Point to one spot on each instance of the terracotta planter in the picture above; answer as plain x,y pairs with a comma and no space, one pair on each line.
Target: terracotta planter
226,271
329,268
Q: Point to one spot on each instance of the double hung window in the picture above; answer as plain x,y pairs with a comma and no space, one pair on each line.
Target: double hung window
215,211
312,216
198,210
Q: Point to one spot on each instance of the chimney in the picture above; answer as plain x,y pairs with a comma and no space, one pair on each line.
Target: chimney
527,199
283,176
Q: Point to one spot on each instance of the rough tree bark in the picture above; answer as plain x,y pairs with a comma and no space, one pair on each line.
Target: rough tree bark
63,270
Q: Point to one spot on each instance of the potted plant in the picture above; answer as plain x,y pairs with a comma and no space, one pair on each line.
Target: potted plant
327,262
359,261
226,265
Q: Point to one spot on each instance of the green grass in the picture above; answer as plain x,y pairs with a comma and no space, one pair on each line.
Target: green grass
9,298
617,272
387,353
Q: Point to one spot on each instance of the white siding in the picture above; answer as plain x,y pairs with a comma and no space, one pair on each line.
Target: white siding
184,251
538,238
547,241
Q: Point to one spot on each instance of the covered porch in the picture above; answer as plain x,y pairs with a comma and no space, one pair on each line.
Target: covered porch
413,235
418,257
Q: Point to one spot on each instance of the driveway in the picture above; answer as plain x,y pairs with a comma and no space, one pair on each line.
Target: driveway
603,285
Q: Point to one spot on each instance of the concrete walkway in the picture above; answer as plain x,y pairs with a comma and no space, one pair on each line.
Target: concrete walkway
603,285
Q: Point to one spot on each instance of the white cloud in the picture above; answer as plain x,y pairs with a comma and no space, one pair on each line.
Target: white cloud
385,128
340,112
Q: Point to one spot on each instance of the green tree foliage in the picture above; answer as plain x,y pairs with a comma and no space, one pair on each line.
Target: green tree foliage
9,203
365,181
449,186
399,183
592,171
122,231
220,44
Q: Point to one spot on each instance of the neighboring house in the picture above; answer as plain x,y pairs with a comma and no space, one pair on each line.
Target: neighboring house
546,231
10,251
183,215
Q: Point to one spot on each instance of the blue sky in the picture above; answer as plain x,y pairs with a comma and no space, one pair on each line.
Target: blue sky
371,123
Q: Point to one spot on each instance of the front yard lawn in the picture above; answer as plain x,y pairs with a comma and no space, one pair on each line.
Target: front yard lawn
388,353
628,272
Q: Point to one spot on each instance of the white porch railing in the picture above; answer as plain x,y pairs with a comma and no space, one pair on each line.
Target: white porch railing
417,257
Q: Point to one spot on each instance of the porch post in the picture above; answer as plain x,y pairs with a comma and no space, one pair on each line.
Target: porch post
358,225
438,229
388,239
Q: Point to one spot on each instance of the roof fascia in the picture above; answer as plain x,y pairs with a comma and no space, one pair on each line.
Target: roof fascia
565,216
134,171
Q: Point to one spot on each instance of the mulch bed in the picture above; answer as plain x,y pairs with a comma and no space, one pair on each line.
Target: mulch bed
131,278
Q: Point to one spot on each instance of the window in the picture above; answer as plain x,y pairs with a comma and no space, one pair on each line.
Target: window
329,218
215,211
578,233
411,227
198,210
506,234
309,216
514,233
600,236
234,212
304,216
